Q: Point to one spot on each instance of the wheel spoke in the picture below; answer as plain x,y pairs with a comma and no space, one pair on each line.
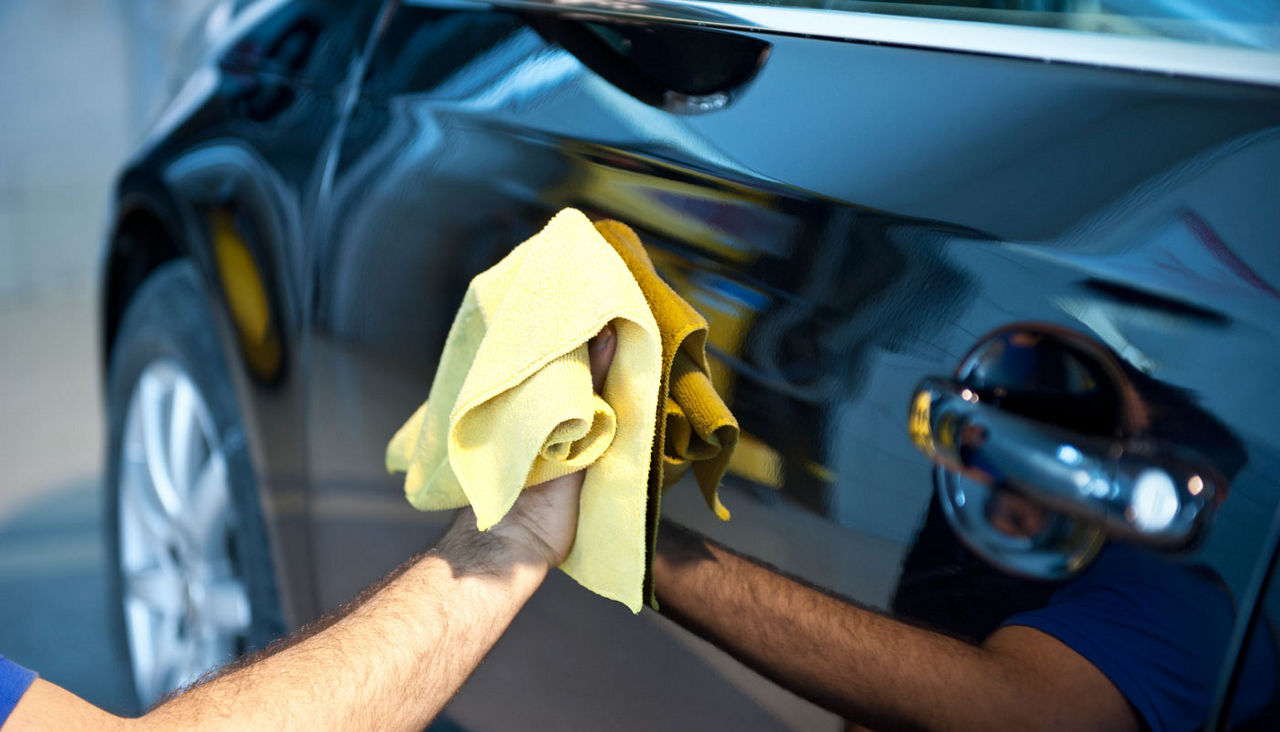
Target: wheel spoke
227,606
151,398
184,434
189,666
141,509
143,648
168,655
159,588
208,516
211,650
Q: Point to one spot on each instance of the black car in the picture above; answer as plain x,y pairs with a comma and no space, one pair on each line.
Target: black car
994,290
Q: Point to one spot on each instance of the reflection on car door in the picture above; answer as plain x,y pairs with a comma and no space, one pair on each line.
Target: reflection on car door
848,235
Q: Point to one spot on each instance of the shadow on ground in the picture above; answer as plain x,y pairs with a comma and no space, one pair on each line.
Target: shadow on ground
53,595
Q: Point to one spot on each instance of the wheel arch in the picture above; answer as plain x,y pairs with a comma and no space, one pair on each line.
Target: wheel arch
149,229
142,236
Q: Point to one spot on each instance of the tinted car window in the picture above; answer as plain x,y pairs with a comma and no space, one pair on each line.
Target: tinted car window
1231,23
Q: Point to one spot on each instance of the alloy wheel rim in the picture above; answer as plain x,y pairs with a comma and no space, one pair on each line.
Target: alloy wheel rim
186,605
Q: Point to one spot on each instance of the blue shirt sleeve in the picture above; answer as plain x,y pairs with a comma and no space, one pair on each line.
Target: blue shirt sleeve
14,681
1157,630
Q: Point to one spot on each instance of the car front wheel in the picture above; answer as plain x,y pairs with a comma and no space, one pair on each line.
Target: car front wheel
191,571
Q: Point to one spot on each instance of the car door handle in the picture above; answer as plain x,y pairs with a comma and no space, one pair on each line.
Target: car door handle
1152,492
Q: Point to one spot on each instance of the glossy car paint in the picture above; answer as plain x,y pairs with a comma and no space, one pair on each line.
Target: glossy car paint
851,218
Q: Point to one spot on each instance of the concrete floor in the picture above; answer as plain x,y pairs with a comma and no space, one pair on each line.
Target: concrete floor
53,604
63,102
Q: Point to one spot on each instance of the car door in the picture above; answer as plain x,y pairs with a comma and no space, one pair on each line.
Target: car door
861,203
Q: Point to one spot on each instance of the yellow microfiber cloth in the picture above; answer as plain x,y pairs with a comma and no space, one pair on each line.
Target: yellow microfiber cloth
512,403
694,425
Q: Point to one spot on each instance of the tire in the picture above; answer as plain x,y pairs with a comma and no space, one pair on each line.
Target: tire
190,569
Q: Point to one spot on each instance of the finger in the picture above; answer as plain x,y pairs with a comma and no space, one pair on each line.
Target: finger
601,350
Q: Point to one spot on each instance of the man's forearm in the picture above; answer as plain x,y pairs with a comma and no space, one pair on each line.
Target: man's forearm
844,658
867,667
391,663
392,658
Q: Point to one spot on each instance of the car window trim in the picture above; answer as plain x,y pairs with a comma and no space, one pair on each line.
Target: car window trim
1162,56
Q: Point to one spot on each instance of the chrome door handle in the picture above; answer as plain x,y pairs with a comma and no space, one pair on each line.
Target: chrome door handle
1138,487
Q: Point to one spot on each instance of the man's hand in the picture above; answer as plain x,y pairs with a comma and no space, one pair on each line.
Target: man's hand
544,519
392,658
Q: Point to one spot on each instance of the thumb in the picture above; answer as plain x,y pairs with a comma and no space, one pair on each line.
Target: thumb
600,351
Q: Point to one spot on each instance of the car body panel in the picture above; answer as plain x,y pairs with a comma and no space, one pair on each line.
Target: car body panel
847,233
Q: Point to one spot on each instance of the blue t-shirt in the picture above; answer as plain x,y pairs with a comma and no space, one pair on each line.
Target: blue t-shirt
1158,631
14,681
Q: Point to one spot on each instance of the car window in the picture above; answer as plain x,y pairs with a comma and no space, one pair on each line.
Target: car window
1244,23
